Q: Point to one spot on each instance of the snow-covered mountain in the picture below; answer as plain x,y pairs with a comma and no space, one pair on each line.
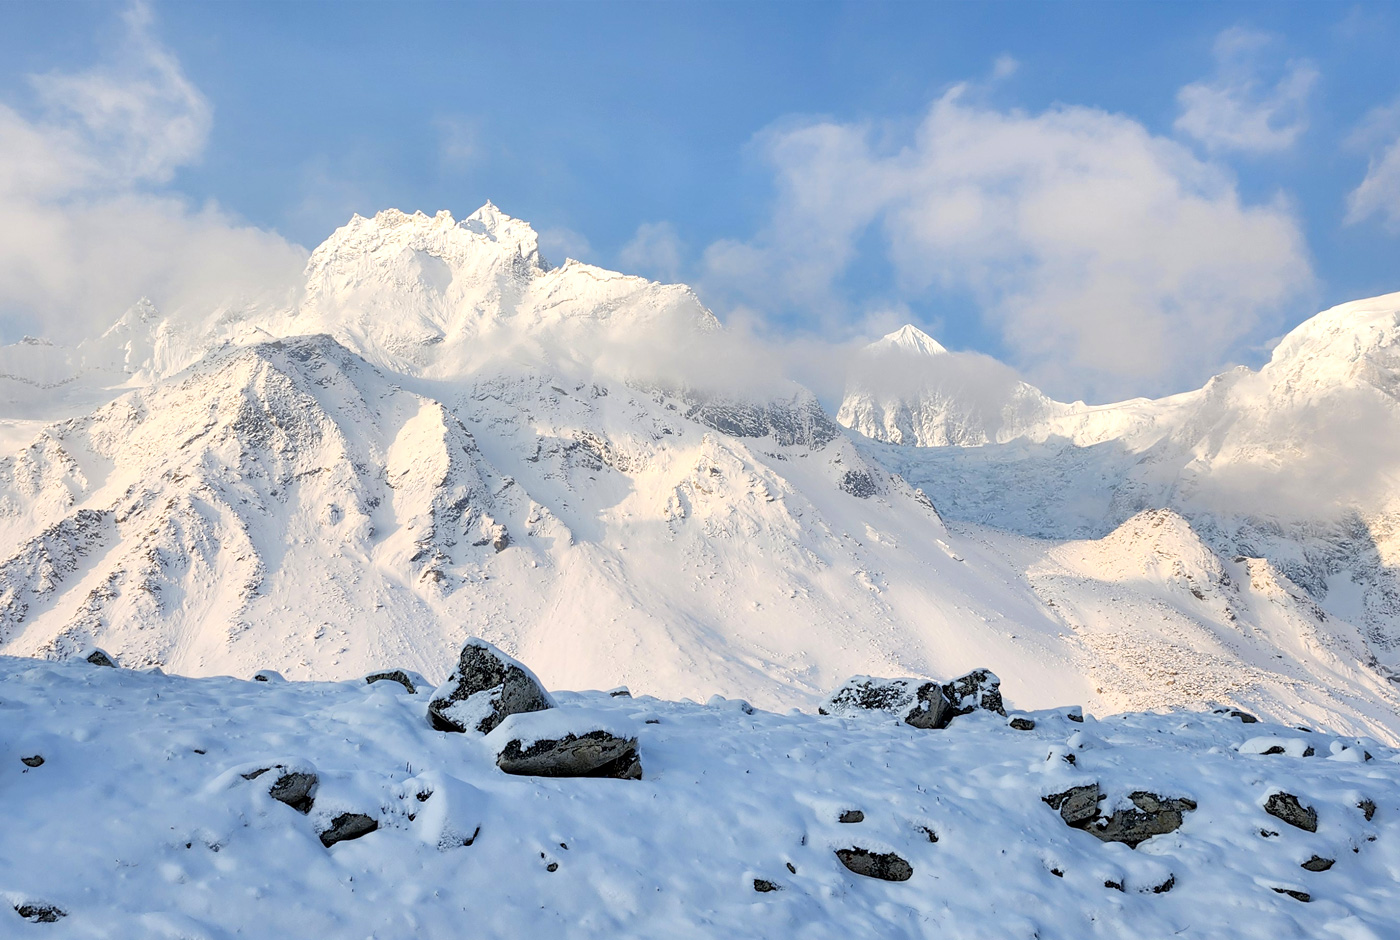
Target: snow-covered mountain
444,435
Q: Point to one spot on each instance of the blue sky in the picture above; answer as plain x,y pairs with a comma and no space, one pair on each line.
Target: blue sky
1116,199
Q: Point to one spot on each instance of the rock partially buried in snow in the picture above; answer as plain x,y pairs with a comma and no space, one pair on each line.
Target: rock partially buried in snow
297,790
97,657
268,675
1078,806
918,702
34,760
1149,815
486,687
886,866
591,754
348,826
1286,806
393,675
39,913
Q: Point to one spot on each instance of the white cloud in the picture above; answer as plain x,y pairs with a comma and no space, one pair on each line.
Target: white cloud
558,243
1237,109
654,251
1112,261
84,235
459,142
1379,192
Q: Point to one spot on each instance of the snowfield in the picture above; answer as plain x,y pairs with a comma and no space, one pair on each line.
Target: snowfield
141,822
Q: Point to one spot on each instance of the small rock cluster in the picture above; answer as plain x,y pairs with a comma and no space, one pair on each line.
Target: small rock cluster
918,702
1150,814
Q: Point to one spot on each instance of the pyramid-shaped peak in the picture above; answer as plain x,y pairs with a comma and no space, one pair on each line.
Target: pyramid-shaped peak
909,339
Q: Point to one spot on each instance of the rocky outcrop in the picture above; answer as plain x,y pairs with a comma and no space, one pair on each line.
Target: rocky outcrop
920,703
485,688
886,866
97,657
591,754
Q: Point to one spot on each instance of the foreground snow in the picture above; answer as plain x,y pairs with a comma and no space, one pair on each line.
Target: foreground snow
139,822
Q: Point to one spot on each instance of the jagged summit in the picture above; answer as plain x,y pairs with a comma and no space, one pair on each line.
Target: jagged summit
910,339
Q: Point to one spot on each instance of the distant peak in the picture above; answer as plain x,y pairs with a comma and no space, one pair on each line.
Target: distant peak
909,339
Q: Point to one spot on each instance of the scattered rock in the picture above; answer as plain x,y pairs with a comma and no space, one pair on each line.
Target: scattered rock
859,484
1057,873
791,868
393,675
932,836
1295,895
620,692
1165,886
1368,809
1115,885
851,816
486,686
268,675
552,866
40,913
1285,806
885,866
920,703
1078,806
97,657
297,790
348,826
978,689
1152,815
1075,714
763,885
36,761
593,754
1245,717
1318,863
1022,724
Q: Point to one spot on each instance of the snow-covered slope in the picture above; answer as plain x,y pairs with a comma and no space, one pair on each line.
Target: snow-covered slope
444,435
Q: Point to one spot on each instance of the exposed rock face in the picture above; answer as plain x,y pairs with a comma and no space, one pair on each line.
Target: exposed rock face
97,657
593,754
393,675
1151,815
348,826
486,686
1285,806
297,790
919,702
886,866
39,913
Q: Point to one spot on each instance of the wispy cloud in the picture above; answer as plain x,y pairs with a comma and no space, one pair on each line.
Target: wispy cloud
1240,109
655,251
1111,260
1379,192
88,229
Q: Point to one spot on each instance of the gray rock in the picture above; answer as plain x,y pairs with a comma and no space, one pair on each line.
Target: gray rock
1022,724
297,790
36,760
851,816
920,703
1078,806
1285,806
1318,863
593,754
763,885
393,675
268,675
40,913
486,686
885,866
1295,895
978,689
1152,815
97,657
1368,809
1165,886
348,826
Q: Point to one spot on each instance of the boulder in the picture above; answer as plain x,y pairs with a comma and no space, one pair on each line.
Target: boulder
97,657
1295,894
1368,809
851,816
348,826
297,790
393,675
920,703
1022,724
763,885
1318,863
35,760
1078,806
1151,815
591,754
485,688
38,913
885,866
268,675
1285,806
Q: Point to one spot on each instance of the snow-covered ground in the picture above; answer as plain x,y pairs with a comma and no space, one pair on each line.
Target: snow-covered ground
140,823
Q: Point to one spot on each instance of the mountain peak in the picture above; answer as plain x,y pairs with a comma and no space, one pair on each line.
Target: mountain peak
908,339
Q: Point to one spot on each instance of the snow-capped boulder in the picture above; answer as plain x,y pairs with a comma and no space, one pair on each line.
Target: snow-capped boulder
448,813
294,787
921,703
1148,815
97,657
566,743
486,687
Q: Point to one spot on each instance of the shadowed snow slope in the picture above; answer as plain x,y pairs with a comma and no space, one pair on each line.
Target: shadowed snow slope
444,436
142,821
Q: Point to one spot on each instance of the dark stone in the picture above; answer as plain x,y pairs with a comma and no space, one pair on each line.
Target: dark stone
551,867
36,761
500,541
1165,886
348,826
620,692
932,836
393,675
851,816
1274,750
1023,724
1075,715
921,704
100,658
1245,717
1057,873
40,913
791,868
1152,815
978,689
884,866
594,754
763,885
1318,863
297,790
1268,833
1295,895
1078,806
1285,806
505,685
1115,885
1368,809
